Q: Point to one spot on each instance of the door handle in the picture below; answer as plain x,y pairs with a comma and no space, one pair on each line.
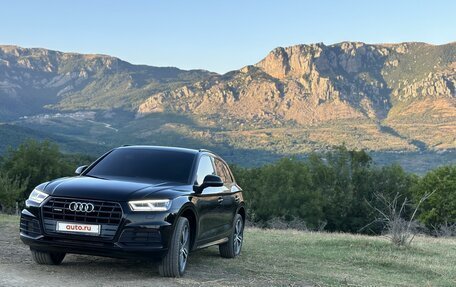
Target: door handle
220,199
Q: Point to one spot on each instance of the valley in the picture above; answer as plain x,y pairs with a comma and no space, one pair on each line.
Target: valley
397,101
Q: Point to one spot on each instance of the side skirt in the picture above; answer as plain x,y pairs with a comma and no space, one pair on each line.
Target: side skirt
216,242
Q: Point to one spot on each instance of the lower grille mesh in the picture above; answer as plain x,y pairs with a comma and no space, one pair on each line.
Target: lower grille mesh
30,226
135,237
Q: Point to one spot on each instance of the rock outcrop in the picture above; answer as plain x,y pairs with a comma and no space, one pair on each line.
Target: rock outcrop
317,83
299,98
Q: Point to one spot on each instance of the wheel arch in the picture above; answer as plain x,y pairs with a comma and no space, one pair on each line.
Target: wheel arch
241,210
189,212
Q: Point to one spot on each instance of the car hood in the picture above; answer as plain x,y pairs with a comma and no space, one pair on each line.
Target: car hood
112,190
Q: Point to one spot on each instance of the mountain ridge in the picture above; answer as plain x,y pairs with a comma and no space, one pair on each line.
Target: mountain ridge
91,55
398,97
68,79
275,65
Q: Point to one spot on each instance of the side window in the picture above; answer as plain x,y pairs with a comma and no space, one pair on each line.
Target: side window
220,170
228,174
205,167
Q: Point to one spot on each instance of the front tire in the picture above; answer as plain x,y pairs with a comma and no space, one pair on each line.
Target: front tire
47,258
175,260
233,247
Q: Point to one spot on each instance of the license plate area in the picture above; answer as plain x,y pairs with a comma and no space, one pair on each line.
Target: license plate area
77,228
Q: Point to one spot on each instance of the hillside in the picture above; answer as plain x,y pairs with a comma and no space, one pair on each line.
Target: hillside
32,80
397,97
384,98
14,135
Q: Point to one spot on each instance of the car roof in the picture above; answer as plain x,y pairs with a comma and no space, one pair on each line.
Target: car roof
164,148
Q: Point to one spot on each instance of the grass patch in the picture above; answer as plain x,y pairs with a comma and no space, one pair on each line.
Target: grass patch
285,257
295,258
10,219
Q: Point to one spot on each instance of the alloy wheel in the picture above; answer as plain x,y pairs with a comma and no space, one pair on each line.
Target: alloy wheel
238,236
183,247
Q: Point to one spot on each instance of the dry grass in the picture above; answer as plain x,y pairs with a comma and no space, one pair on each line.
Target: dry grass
351,260
437,136
355,134
278,258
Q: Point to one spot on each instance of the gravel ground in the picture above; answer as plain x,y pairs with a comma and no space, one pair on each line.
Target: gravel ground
18,269
205,268
269,258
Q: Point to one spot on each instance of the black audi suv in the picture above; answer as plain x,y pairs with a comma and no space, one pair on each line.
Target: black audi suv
138,201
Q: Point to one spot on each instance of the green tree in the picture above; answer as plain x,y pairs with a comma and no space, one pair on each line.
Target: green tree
35,162
11,191
342,178
440,208
390,181
280,190
388,185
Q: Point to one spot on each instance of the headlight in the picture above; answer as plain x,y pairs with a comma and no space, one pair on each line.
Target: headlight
37,196
150,205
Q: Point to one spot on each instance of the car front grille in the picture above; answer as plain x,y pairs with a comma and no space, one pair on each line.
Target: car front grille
103,213
106,214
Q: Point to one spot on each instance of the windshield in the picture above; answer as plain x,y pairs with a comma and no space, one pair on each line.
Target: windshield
144,165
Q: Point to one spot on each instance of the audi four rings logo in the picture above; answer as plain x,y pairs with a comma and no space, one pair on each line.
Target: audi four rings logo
81,207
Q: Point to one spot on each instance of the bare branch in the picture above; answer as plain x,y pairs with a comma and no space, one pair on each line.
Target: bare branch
400,230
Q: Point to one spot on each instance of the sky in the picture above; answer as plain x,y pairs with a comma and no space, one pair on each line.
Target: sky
217,35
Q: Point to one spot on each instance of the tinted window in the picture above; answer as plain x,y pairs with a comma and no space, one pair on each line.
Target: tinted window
221,171
205,167
145,165
229,178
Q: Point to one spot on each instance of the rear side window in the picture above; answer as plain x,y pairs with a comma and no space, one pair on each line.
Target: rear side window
222,171
228,174
205,167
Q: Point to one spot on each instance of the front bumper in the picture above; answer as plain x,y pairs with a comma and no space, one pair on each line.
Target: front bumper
139,234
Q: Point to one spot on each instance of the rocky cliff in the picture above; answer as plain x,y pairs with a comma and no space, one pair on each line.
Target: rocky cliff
299,98
315,83
407,87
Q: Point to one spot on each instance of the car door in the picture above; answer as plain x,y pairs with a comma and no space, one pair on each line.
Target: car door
235,192
228,205
208,203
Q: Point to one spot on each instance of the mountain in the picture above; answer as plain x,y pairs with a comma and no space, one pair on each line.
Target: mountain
14,135
384,98
401,93
35,80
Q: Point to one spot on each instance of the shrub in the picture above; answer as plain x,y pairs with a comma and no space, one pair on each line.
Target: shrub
440,208
34,162
11,190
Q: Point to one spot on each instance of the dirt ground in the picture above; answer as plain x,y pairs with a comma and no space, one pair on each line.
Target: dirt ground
269,257
206,268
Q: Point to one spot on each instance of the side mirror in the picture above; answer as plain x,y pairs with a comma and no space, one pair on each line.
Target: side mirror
80,169
210,181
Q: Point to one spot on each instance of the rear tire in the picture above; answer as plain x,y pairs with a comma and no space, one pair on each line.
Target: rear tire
47,258
175,260
233,247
